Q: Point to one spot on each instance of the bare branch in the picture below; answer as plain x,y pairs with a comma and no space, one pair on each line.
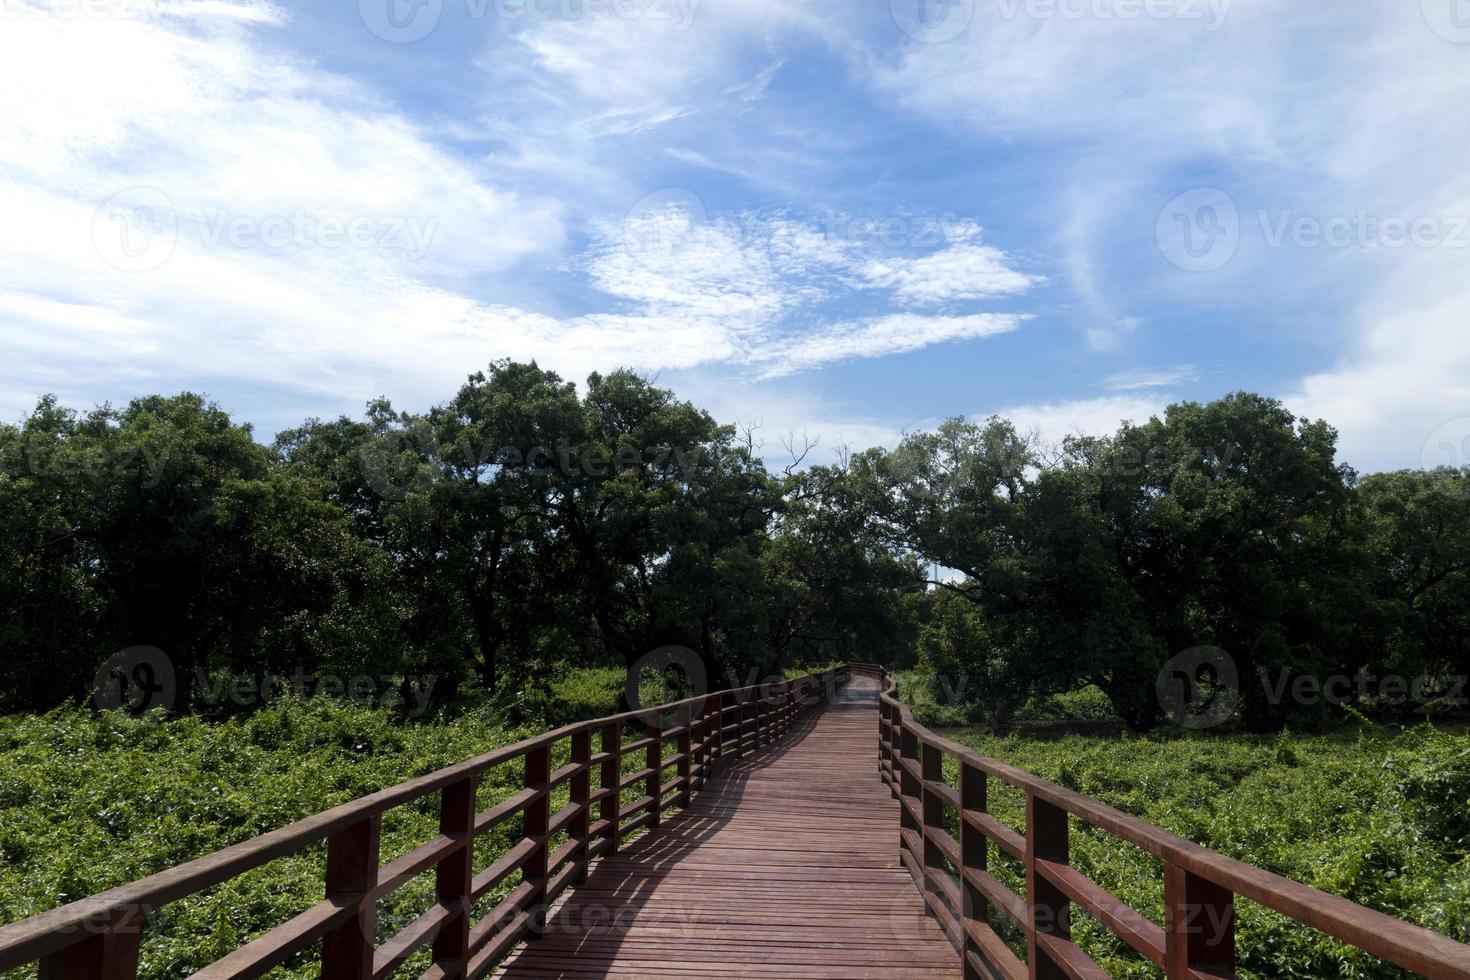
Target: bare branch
797,454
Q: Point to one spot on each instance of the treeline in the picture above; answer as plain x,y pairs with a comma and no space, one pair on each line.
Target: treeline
525,526
519,527
1119,562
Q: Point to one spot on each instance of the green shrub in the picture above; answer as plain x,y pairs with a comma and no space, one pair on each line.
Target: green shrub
584,693
1376,816
1085,704
89,801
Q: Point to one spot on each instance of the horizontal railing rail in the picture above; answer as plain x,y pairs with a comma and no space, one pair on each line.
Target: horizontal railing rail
99,938
1197,936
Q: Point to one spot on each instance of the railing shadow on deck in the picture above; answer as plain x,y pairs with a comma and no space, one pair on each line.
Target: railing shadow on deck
598,915
99,938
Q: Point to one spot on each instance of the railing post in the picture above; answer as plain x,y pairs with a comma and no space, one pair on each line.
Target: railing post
1199,925
352,871
535,820
760,719
698,723
780,705
581,791
933,809
453,876
908,790
685,746
974,855
1047,906
612,774
655,761
710,721
108,954
882,739
719,748
746,714
895,742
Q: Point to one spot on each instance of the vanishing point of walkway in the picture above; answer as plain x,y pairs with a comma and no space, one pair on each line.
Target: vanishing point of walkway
785,866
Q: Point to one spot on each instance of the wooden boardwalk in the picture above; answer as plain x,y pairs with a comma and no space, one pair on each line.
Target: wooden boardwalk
785,866
793,859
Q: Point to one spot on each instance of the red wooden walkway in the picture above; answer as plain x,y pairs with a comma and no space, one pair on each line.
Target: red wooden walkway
785,866
783,836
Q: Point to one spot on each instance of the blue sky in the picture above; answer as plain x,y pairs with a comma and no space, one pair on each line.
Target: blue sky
843,219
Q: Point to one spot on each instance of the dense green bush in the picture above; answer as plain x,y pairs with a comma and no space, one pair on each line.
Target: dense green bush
90,801
1087,704
1376,816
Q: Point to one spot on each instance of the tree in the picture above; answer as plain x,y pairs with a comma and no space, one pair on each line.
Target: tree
1416,544
50,606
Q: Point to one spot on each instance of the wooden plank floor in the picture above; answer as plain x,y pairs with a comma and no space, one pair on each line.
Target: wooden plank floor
786,866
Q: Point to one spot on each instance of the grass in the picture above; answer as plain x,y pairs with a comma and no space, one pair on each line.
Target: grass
89,801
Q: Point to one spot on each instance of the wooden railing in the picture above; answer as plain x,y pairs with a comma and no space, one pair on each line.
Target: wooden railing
1197,938
98,938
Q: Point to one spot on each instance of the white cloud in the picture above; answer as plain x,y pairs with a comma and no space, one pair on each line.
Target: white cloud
745,274
1141,378
614,75
755,89
201,110
780,413
1054,421
1403,387
228,137
669,259
1062,74
1288,113
894,334
965,270
193,112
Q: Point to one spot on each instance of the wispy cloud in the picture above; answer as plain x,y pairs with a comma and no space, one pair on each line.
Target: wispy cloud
755,89
1138,379
226,212
215,128
751,272
894,334
965,270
